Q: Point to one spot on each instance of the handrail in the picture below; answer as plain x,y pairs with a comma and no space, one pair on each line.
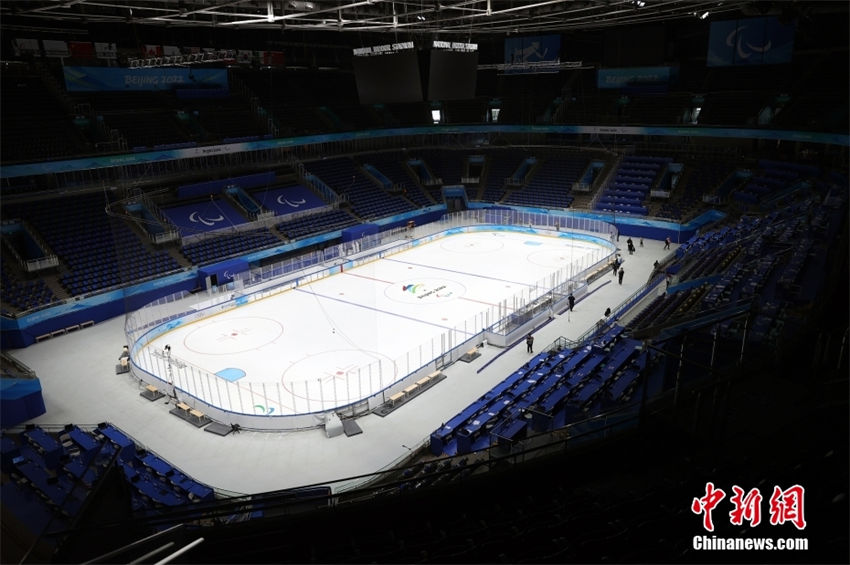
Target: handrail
179,552
622,307
602,185
107,557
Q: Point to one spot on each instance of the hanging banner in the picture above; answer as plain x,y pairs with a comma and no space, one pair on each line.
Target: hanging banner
23,47
533,54
92,79
750,41
153,51
271,58
106,50
244,56
55,48
81,49
632,77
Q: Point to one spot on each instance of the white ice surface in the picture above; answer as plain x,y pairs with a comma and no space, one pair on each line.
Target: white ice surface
351,335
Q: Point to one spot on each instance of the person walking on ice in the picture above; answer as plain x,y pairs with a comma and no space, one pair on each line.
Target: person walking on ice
529,342
621,275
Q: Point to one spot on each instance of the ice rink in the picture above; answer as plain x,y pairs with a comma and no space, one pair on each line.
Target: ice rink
345,337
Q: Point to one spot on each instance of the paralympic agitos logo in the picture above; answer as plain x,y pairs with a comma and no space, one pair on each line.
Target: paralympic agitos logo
421,290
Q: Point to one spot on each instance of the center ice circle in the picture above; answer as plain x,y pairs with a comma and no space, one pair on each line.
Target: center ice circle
226,336
425,291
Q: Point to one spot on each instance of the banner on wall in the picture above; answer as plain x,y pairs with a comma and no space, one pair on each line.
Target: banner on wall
632,77
152,51
211,215
106,50
94,79
222,273
23,47
288,199
244,56
750,41
169,50
533,54
81,49
55,48
271,58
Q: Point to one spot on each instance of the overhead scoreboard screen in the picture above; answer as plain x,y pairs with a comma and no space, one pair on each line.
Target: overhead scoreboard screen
387,74
453,71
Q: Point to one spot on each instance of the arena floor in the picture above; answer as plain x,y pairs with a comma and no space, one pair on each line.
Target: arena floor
77,372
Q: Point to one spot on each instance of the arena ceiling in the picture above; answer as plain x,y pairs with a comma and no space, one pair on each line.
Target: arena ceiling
463,17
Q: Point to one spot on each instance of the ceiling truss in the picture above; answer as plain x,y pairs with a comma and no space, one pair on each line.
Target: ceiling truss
427,17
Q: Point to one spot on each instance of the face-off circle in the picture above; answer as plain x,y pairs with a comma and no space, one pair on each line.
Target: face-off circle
555,258
233,335
425,291
476,245
338,365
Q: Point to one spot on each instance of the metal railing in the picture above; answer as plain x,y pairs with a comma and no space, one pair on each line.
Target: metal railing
618,310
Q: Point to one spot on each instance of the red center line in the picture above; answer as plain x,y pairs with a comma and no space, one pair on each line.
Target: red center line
367,277
478,301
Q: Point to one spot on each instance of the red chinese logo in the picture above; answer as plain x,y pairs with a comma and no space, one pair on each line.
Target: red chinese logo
747,507
785,506
706,504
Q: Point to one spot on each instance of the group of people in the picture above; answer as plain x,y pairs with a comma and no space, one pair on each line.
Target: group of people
617,267
617,271
631,245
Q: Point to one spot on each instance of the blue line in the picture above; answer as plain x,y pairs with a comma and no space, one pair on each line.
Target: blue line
457,272
381,311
